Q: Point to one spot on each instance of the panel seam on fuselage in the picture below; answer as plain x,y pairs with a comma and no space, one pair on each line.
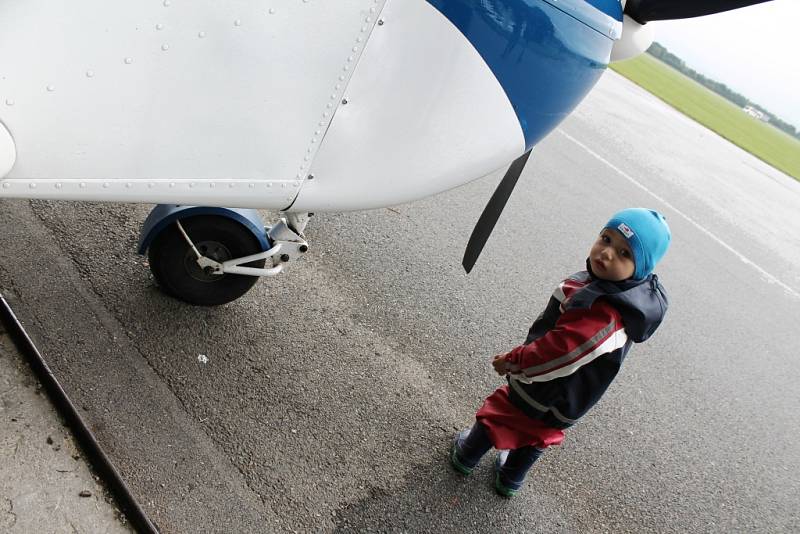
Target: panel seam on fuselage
319,139
558,7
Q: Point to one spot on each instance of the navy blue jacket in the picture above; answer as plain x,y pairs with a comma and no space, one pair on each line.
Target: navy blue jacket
576,347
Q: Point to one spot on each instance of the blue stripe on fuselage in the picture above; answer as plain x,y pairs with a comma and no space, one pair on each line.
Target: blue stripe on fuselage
546,59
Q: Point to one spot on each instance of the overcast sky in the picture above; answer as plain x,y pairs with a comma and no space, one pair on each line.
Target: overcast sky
754,50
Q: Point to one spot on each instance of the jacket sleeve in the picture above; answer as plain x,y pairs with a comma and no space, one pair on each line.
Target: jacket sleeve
578,337
545,322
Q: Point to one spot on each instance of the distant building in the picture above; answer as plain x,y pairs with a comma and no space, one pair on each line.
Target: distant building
757,113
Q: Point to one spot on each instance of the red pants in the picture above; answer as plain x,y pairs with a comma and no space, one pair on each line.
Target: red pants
510,428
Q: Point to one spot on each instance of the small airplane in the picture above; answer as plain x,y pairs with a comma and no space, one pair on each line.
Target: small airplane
298,106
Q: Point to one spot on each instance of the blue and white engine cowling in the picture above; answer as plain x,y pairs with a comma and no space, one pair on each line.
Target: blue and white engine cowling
448,91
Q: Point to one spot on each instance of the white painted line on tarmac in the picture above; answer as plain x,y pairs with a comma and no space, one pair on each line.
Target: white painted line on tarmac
767,276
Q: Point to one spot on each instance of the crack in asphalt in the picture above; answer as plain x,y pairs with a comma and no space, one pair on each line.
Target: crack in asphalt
10,511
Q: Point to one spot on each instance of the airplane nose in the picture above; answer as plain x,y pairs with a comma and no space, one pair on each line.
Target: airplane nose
8,152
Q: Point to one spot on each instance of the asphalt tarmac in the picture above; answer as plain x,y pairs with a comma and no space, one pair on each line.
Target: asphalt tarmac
326,398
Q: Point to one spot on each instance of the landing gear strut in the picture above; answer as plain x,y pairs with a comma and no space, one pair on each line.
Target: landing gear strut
212,256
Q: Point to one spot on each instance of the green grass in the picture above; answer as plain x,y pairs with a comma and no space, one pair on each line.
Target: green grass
766,142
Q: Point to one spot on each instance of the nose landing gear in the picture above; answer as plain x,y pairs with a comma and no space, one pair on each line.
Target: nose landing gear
212,256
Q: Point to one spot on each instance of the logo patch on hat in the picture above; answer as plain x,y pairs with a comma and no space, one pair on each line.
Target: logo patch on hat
626,230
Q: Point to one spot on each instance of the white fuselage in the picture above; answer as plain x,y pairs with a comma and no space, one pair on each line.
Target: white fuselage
239,103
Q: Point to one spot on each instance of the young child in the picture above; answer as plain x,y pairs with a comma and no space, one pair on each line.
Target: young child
573,350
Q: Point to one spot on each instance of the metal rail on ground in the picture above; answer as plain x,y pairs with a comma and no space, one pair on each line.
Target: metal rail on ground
85,438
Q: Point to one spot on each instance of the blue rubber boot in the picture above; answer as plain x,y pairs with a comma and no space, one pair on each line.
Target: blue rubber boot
468,448
511,467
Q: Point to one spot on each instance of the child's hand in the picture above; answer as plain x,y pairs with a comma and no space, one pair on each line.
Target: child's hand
499,364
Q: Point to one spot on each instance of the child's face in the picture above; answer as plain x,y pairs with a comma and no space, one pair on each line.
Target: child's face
611,257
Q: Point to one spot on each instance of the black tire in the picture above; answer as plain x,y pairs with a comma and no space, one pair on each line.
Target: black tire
174,266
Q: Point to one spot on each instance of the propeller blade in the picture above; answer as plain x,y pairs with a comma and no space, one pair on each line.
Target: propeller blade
644,11
491,213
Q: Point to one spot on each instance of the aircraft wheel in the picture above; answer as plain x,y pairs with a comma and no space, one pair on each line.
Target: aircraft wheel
174,263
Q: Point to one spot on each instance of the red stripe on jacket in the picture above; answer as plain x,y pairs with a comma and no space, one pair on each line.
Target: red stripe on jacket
578,334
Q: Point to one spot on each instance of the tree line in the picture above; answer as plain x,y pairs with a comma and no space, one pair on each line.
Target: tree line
661,52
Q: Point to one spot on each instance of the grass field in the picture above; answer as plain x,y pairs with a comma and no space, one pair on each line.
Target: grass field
775,147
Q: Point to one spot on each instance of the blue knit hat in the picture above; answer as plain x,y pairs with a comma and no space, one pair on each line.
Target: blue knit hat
647,234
